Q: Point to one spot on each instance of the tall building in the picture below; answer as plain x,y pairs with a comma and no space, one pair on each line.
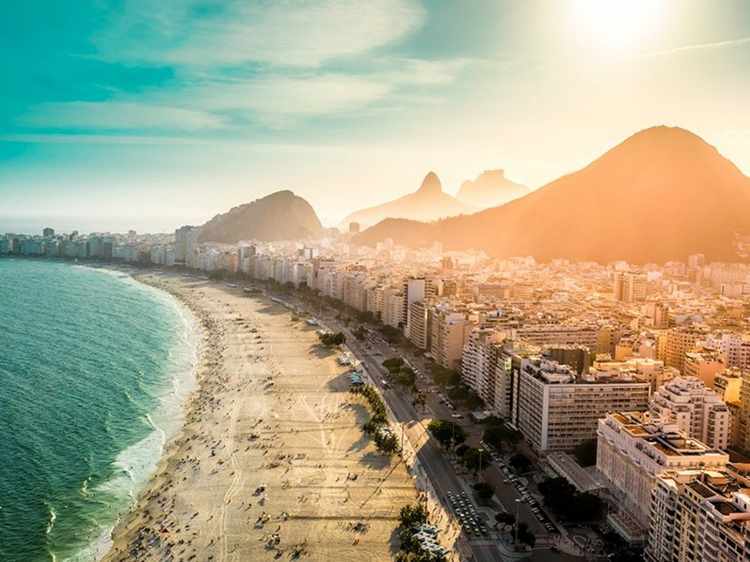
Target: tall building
558,409
393,307
184,238
696,409
736,350
486,369
48,232
633,448
630,286
450,331
419,328
678,342
700,515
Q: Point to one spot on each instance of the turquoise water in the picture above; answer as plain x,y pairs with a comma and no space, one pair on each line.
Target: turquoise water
94,368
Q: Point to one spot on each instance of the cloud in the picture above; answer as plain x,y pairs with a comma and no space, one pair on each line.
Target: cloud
118,115
279,32
286,95
701,47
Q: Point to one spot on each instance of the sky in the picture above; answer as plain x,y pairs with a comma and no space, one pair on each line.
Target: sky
148,114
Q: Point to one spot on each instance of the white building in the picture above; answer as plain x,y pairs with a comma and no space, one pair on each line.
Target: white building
701,516
633,448
696,409
558,409
486,369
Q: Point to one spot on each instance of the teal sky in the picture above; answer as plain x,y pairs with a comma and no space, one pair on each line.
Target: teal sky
152,114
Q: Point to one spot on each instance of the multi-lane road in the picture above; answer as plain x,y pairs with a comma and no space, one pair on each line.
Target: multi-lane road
432,459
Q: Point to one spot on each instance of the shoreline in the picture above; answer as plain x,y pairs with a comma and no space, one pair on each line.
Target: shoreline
271,460
166,431
200,334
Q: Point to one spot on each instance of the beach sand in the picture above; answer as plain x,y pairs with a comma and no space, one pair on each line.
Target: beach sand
272,462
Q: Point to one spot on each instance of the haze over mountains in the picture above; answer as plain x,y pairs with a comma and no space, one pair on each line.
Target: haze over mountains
490,189
279,216
660,195
428,203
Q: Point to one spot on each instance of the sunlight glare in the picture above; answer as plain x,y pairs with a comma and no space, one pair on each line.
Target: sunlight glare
619,25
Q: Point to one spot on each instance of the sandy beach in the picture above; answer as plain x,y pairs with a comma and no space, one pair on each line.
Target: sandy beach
272,462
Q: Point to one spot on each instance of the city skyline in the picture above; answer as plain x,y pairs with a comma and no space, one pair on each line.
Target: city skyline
347,109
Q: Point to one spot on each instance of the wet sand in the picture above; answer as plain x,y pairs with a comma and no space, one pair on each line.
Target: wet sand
272,462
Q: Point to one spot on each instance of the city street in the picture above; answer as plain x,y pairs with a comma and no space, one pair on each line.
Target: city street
432,458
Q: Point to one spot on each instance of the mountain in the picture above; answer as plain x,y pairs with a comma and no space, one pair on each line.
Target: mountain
428,203
660,195
490,189
279,216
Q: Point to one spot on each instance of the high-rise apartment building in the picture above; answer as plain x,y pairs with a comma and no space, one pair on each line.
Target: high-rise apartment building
633,448
630,286
678,342
419,328
696,409
450,331
700,516
486,369
736,350
558,409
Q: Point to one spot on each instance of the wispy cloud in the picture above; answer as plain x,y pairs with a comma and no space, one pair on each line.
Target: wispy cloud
286,95
119,115
701,47
273,63
297,34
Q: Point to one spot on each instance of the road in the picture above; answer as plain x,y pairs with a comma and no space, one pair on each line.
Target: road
431,457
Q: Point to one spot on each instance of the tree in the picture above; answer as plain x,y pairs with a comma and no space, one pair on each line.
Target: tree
447,433
473,459
393,364
520,462
386,442
445,377
500,435
406,377
360,333
562,498
412,515
484,490
331,340
390,334
585,452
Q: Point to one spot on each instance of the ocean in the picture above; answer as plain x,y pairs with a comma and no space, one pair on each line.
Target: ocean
94,371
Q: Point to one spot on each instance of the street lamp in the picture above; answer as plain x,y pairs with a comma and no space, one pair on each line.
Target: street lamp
518,505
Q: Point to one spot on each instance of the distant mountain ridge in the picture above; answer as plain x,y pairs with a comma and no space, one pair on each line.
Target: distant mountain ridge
279,216
428,203
660,195
490,189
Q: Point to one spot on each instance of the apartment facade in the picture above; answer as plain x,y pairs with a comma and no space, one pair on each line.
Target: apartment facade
450,331
700,516
696,409
634,447
558,409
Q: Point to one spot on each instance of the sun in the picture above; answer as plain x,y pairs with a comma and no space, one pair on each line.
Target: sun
617,25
